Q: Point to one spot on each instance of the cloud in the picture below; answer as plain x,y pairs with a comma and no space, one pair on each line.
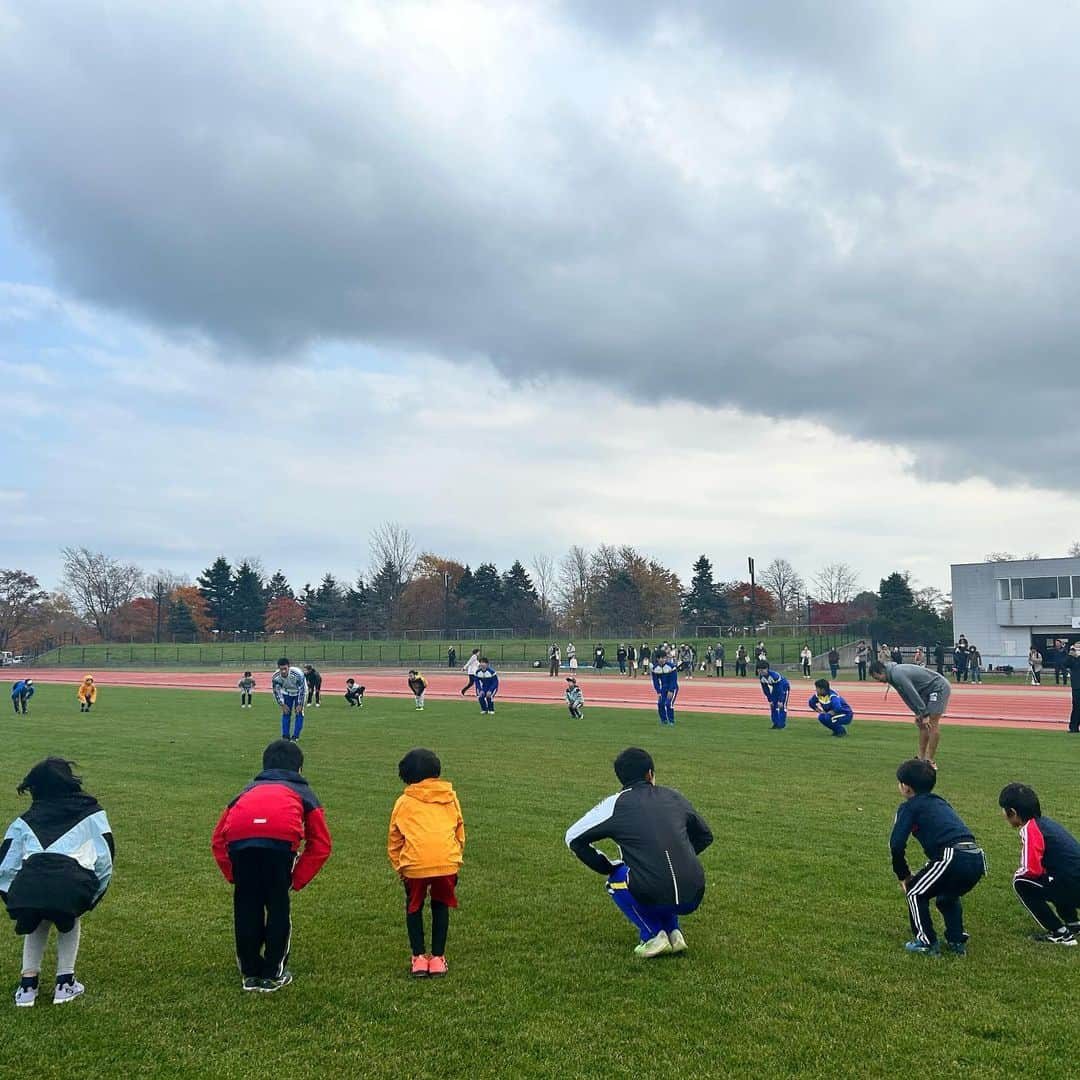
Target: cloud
859,216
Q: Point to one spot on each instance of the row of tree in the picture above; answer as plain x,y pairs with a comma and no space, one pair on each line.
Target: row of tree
605,590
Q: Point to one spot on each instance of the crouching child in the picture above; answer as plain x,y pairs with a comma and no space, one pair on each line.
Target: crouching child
354,693
256,844
574,699
1048,880
955,863
833,712
426,844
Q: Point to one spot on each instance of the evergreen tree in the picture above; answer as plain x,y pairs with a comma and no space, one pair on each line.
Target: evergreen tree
464,591
248,610
617,603
383,598
216,586
520,603
704,604
278,587
485,610
902,620
356,607
325,605
180,623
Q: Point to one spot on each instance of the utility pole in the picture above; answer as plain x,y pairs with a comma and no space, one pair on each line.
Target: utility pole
753,597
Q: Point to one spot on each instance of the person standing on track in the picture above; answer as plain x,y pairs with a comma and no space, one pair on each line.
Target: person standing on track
470,669
665,680
1035,663
314,684
718,660
924,692
571,656
740,662
553,660
805,659
1071,664
862,658
289,689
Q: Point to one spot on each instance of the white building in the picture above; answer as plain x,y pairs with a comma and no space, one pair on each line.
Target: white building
1006,607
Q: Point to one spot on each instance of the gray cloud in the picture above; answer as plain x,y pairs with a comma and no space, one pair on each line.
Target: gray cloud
854,217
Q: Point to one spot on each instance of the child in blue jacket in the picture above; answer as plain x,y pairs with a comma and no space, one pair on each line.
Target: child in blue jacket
487,685
832,710
776,689
21,693
665,680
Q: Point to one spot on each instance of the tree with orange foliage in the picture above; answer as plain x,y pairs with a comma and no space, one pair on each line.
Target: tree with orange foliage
429,599
285,615
195,602
136,620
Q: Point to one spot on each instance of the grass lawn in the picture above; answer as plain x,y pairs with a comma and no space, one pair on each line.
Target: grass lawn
795,964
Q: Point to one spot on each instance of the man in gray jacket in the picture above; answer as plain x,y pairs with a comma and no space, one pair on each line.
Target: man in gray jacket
925,693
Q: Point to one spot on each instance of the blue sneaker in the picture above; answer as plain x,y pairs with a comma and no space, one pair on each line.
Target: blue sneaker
925,950
957,948
840,732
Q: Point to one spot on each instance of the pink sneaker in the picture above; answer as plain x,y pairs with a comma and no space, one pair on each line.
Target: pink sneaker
437,966
420,969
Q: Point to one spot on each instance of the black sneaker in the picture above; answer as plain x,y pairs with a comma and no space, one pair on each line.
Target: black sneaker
1063,936
252,983
276,984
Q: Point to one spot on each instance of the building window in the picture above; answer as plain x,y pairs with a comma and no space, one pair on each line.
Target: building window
1040,588
1064,588
1076,586
1003,588
1017,588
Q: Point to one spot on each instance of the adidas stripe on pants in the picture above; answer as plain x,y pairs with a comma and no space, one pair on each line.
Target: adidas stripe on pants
947,879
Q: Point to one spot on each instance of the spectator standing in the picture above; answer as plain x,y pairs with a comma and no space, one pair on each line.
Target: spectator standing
760,652
1072,665
805,658
741,660
1035,662
974,664
645,658
571,656
470,668
862,658
939,658
632,659
896,654
919,657
834,662
553,660
451,657
960,658
598,657
620,656
1061,671
718,659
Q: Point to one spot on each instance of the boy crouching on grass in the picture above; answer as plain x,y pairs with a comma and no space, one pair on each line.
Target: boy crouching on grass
956,863
1048,880
425,845
256,844
354,693
245,686
574,699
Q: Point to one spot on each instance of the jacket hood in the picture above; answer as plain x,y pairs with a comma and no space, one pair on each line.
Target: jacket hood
287,775
431,791
51,818
88,678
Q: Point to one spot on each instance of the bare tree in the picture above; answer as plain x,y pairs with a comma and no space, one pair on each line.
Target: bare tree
543,567
836,583
1074,549
784,582
999,556
573,588
21,599
161,584
392,546
100,585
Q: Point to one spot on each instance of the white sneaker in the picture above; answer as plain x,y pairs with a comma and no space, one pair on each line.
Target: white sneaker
25,996
67,991
654,946
678,942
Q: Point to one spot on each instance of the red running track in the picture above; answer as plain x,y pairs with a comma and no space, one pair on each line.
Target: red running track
986,706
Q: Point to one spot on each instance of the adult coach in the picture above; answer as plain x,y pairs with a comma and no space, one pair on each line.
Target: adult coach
289,688
1071,663
924,692
658,876
314,684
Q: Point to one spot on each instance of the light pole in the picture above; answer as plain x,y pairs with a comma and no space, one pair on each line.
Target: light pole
753,596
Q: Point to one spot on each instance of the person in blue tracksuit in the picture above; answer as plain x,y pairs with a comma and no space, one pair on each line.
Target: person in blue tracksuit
289,688
832,710
487,685
21,693
776,689
665,680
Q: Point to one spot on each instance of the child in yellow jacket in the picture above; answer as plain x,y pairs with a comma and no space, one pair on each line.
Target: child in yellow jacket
425,845
87,693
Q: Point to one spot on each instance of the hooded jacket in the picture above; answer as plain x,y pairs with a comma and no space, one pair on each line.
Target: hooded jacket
427,833
87,691
56,861
278,810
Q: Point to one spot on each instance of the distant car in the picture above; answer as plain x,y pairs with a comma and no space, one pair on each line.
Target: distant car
6,658
18,658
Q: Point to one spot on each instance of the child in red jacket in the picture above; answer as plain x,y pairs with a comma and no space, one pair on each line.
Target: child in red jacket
255,844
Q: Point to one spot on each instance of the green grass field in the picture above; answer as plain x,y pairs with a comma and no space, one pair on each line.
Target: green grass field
795,964
369,652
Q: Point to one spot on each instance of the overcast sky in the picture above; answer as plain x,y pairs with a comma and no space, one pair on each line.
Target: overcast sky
750,277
